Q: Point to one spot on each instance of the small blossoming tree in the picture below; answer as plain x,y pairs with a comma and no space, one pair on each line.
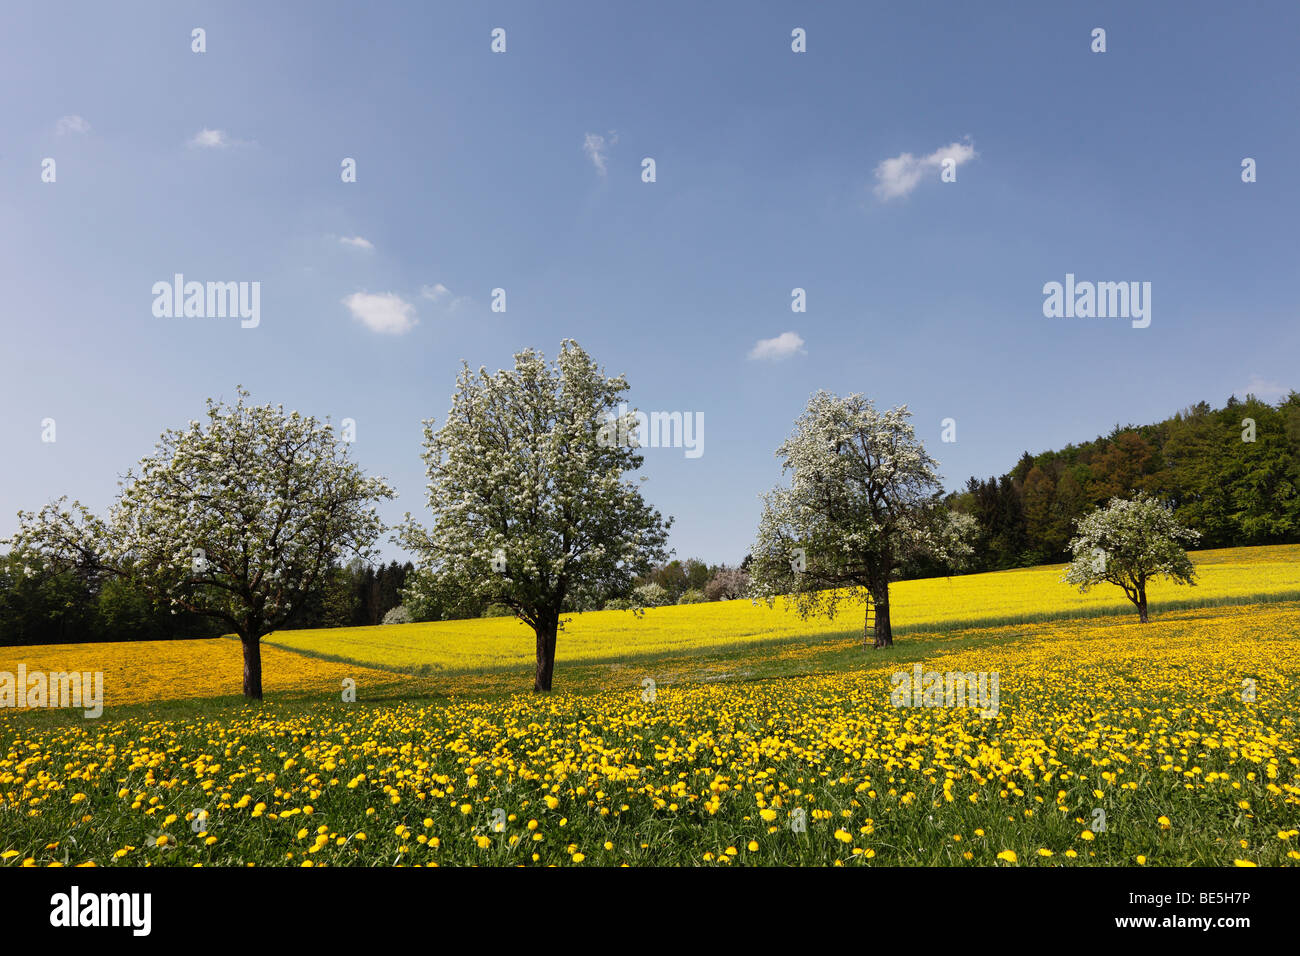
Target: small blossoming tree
1129,543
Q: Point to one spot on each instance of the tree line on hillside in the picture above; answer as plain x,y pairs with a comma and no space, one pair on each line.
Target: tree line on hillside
59,605
53,605
1232,474
257,519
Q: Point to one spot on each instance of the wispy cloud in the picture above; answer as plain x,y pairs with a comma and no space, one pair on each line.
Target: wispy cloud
597,149
1264,389
71,124
441,296
386,313
213,139
357,242
775,349
900,175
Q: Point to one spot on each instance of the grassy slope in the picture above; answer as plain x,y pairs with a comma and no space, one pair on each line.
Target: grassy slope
180,676
1100,694
1227,576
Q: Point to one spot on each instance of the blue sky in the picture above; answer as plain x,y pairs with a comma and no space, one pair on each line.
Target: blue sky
478,170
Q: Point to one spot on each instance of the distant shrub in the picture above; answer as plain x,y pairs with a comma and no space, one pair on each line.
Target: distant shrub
398,615
619,604
499,610
727,584
692,596
651,595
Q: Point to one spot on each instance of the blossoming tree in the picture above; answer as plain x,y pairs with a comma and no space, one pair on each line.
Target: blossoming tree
1130,543
530,505
238,518
863,498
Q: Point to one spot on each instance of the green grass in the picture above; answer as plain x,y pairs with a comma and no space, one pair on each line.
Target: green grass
804,709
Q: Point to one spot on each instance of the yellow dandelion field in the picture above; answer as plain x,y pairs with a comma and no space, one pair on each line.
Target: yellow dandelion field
1099,741
142,671
1225,575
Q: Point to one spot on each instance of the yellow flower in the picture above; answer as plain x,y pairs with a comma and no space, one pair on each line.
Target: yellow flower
1008,855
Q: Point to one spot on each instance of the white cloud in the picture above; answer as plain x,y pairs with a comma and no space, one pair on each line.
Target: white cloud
781,347
71,124
1264,389
440,295
357,242
386,313
211,139
596,147
900,175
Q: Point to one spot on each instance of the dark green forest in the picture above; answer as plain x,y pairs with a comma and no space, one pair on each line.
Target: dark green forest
1231,473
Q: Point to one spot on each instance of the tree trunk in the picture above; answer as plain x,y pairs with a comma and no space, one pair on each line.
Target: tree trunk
884,634
252,667
1142,605
546,629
